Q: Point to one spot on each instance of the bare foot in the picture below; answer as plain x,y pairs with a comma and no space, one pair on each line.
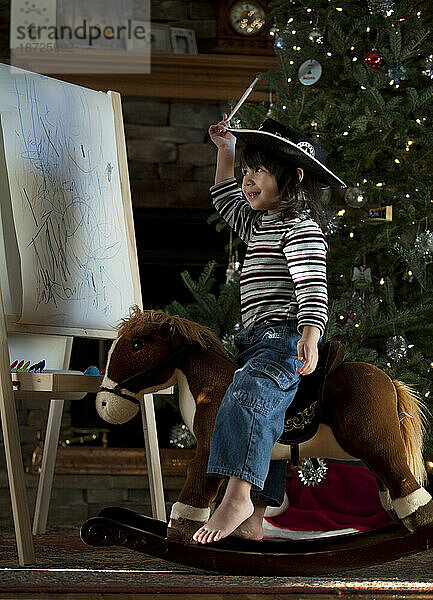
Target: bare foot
227,517
252,528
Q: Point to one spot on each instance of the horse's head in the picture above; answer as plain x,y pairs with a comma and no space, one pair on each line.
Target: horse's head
141,360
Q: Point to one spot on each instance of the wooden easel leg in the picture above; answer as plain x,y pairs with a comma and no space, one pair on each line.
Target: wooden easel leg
47,469
17,486
153,459
14,457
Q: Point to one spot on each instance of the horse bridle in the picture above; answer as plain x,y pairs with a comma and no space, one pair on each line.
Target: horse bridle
136,382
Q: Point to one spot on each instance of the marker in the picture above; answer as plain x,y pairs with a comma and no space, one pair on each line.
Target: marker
33,367
19,365
25,366
14,363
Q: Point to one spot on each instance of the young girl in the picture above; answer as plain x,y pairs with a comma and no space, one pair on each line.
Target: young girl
283,306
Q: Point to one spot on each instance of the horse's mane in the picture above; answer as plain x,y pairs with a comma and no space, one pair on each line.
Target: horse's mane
188,329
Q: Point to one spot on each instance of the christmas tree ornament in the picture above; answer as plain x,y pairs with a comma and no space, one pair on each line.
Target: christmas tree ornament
355,197
235,122
312,471
233,271
316,37
309,72
361,278
381,7
428,66
274,30
397,72
271,111
332,220
362,281
374,59
229,338
181,437
326,194
396,347
380,214
280,43
424,245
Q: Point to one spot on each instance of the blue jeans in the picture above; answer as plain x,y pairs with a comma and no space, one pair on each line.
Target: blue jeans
252,413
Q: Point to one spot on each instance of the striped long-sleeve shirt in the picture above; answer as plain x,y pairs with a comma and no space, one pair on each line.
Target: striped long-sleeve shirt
284,272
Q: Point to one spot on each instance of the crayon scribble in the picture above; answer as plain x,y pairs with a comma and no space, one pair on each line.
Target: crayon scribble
72,230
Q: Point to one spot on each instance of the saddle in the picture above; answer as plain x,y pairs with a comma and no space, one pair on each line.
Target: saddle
303,415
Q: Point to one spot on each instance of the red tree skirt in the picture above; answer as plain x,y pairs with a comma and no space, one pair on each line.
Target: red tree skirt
346,501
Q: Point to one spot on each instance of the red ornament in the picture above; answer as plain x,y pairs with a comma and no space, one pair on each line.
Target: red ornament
374,59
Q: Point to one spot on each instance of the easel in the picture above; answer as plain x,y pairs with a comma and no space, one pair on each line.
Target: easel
58,387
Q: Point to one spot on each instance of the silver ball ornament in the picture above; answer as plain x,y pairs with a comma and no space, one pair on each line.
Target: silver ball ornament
355,197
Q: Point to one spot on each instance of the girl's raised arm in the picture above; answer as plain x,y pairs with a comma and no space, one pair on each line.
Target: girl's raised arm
225,142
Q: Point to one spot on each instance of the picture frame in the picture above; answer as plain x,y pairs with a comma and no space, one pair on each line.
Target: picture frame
183,41
103,13
142,42
160,40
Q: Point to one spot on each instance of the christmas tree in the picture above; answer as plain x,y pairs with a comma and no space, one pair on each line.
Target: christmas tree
358,77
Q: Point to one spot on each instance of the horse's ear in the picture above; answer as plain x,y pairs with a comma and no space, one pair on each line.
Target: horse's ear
166,329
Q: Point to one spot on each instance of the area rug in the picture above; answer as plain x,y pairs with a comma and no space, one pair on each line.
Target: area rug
66,565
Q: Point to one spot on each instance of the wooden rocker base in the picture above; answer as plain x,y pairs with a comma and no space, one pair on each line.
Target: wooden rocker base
116,526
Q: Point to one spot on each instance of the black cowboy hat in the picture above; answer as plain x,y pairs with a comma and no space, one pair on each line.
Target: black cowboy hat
288,144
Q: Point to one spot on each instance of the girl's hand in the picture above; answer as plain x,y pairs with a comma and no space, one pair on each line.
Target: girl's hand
220,136
308,351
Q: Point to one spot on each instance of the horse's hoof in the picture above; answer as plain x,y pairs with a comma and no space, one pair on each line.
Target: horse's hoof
421,518
182,530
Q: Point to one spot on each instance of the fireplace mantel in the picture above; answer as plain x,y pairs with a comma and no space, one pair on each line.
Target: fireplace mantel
184,76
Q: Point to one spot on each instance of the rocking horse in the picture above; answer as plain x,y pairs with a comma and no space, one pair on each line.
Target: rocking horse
344,410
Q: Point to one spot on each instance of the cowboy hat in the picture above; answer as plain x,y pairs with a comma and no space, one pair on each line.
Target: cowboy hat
288,144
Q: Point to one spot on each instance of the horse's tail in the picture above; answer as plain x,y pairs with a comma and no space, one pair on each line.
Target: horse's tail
413,426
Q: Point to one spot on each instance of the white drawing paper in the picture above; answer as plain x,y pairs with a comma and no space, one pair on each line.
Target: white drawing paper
61,158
